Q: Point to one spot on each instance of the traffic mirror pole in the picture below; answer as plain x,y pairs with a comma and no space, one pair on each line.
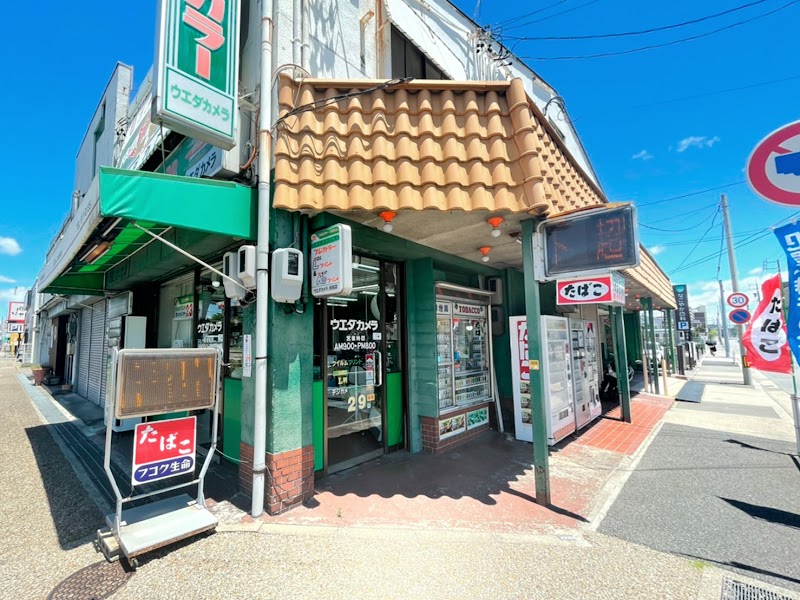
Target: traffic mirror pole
735,284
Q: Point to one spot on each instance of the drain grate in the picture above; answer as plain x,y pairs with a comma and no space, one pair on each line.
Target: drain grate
736,590
94,582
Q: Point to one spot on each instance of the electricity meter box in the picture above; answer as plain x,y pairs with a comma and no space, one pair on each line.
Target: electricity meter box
230,267
287,275
247,266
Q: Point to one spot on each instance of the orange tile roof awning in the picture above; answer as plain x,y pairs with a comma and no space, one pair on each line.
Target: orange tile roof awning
423,145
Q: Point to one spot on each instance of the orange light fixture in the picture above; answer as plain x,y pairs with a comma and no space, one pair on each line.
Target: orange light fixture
495,223
485,251
388,216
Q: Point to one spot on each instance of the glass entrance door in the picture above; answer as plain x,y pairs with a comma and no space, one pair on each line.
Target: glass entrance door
355,369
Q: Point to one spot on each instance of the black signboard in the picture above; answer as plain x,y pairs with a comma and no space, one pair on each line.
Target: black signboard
683,314
598,239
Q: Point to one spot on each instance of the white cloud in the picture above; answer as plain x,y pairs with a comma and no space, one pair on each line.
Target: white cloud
9,246
696,141
756,271
15,293
642,155
4,279
656,250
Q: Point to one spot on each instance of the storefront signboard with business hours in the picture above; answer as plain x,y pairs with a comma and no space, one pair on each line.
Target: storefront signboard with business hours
196,69
683,315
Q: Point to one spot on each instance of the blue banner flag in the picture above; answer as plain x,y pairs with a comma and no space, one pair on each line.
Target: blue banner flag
789,238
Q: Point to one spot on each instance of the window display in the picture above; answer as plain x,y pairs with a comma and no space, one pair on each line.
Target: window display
462,354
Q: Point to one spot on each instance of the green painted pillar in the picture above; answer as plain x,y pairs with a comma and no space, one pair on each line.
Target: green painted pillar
671,338
541,459
651,342
621,361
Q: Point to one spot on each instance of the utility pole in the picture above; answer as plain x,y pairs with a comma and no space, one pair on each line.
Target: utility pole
735,284
722,326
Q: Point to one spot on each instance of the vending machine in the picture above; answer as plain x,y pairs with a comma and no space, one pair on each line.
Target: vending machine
556,368
585,371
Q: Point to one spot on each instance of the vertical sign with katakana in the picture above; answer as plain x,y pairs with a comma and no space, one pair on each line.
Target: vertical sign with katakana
163,449
789,238
196,70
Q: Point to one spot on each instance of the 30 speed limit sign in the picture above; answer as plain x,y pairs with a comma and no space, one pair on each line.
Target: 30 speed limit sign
738,300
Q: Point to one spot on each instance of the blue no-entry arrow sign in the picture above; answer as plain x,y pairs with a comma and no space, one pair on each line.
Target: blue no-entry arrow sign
740,316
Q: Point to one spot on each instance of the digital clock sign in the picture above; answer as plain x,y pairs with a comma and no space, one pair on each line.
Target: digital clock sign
598,239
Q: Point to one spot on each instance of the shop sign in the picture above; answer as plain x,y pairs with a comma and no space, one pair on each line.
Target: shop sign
469,310
442,308
184,308
476,418
369,369
197,69
353,325
247,355
452,426
16,327
600,289
194,158
332,261
209,327
596,240
789,238
163,449
142,136
16,311
765,338
683,316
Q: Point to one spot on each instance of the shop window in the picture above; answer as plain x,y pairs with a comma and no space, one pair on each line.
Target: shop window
409,61
234,353
176,313
210,310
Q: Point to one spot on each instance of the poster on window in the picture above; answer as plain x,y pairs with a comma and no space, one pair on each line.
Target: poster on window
765,339
184,308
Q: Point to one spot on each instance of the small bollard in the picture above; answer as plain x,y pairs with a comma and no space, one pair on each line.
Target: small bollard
664,374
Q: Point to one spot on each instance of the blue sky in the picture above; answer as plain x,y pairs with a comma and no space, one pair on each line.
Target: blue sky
610,99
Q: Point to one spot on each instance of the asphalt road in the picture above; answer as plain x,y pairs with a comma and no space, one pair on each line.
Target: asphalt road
726,499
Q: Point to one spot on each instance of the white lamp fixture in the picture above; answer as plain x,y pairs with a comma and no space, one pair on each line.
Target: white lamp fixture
485,251
495,223
388,216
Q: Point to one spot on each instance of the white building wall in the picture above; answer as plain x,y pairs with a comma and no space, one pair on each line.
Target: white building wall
115,98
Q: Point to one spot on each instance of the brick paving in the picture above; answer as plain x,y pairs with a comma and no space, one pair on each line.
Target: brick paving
611,433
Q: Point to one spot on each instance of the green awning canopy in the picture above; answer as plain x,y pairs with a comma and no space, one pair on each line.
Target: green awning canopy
151,200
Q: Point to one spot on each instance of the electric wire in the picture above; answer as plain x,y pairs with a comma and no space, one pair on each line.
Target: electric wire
721,246
690,194
713,221
684,215
548,17
664,44
530,14
641,31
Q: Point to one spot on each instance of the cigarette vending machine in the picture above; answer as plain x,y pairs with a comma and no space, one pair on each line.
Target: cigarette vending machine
585,371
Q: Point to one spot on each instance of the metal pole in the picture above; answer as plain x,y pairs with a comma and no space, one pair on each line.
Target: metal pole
262,260
746,377
721,320
541,456
654,357
621,359
672,351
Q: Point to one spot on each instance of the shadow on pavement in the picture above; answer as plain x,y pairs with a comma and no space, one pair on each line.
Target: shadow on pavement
75,516
738,566
765,513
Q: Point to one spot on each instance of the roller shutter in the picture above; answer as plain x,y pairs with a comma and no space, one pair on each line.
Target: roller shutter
84,347
97,354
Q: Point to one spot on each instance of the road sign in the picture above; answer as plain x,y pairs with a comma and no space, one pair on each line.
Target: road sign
773,169
738,300
740,316
163,449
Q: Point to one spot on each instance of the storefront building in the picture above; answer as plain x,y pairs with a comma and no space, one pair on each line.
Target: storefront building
438,180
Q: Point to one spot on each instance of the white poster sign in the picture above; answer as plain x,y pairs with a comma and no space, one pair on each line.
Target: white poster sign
247,355
332,262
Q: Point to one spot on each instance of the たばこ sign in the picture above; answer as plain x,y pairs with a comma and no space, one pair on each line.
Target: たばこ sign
601,289
163,449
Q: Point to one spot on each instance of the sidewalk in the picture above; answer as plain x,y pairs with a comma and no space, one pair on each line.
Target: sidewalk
50,519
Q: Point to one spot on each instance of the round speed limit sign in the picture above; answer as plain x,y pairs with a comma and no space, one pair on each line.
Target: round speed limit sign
738,300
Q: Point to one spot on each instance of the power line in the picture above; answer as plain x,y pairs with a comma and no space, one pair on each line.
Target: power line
563,12
713,220
665,44
530,14
721,246
641,31
684,215
690,194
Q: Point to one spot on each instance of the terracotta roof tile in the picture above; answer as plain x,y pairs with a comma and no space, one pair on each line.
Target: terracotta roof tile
423,145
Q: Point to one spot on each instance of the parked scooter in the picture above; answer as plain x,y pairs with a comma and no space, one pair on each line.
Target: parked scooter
609,388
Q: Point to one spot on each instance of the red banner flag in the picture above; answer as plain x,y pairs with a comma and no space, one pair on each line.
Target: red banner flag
765,338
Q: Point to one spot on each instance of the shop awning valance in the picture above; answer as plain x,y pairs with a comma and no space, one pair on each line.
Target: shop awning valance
152,200
443,145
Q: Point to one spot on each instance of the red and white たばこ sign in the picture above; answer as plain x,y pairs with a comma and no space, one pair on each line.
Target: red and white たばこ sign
600,289
163,449
765,338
